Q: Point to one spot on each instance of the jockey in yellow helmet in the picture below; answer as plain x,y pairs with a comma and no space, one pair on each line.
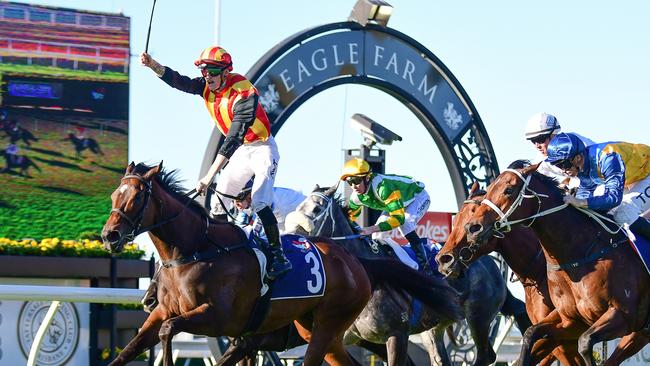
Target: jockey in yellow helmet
402,200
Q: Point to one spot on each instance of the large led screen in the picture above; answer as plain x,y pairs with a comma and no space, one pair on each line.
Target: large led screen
64,92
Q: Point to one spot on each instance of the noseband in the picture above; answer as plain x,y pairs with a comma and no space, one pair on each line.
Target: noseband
137,222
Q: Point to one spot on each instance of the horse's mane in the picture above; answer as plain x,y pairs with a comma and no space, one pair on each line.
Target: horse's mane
546,180
339,199
171,183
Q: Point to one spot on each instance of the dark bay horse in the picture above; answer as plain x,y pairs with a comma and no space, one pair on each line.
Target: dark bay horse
598,285
382,321
211,278
17,133
81,144
20,162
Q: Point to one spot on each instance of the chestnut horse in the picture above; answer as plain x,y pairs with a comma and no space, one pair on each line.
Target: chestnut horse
597,283
522,252
211,278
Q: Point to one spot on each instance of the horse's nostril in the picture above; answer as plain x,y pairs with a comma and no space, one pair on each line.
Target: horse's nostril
113,236
475,228
446,258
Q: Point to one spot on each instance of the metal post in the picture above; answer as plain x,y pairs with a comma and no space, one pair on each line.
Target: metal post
38,339
113,337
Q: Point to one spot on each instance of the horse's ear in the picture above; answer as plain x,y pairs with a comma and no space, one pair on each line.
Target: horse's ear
331,190
130,168
153,171
316,188
529,169
473,189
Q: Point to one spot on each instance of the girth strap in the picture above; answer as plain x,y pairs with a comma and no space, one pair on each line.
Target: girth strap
203,256
592,258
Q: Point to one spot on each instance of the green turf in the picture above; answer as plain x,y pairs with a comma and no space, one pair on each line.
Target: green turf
70,195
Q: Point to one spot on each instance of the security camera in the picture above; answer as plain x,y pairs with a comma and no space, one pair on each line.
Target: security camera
372,131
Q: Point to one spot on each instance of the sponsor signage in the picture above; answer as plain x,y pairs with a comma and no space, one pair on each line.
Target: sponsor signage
433,225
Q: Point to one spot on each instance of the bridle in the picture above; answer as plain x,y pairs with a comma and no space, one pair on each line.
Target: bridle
137,222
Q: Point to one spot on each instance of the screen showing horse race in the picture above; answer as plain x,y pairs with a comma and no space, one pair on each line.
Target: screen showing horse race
64,105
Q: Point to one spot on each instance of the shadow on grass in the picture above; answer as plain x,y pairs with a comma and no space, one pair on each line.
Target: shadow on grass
47,152
63,164
8,205
59,190
110,168
14,173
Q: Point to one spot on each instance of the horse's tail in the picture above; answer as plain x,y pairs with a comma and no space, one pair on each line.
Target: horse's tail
517,309
432,291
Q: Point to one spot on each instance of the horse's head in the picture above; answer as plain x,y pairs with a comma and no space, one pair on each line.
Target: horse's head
311,214
129,206
457,253
509,200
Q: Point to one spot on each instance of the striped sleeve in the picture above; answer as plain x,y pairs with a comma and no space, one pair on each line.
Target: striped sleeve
394,208
354,208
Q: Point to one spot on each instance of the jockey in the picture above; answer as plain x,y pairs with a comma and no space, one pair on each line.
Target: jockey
285,200
623,168
540,130
248,147
402,200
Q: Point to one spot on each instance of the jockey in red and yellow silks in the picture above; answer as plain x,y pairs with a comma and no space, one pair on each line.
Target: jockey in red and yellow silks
248,147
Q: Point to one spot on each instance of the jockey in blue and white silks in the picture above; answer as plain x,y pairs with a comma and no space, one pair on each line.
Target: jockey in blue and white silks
622,168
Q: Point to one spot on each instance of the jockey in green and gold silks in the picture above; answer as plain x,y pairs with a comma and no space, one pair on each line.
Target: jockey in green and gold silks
402,200
388,193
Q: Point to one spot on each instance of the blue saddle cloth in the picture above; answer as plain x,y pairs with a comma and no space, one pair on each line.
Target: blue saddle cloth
642,248
432,250
307,276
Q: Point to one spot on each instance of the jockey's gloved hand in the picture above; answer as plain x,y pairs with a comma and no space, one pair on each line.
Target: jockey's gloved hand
577,202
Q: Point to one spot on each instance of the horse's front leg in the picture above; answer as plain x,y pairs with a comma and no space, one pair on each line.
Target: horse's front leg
397,347
540,339
146,338
627,347
434,342
612,324
200,320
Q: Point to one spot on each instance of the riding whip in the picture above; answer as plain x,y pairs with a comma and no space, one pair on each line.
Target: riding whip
146,47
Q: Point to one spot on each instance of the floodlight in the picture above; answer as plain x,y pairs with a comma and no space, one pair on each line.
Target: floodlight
371,11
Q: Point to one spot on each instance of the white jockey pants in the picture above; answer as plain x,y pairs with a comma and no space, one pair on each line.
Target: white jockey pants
413,212
636,201
259,159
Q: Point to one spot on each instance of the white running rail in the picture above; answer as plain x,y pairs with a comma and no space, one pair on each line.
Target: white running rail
57,294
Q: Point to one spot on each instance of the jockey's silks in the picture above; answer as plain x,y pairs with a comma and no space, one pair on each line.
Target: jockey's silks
220,106
388,193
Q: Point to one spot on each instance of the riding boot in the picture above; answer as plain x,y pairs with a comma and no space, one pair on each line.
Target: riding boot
420,253
150,299
279,263
641,227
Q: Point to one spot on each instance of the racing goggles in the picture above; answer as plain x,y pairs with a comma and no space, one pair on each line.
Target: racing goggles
211,71
538,139
354,181
564,164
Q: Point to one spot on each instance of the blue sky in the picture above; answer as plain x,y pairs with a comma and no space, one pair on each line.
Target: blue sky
584,61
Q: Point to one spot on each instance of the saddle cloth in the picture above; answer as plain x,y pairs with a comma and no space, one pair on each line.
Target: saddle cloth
641,247
406,255
307,277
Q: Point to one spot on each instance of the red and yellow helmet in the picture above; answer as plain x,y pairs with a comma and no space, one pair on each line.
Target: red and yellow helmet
355,168
214,56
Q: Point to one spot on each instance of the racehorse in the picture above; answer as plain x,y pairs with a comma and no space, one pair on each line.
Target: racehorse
522,252
17,133
18,161
210,280
81,144
382,321
598,285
